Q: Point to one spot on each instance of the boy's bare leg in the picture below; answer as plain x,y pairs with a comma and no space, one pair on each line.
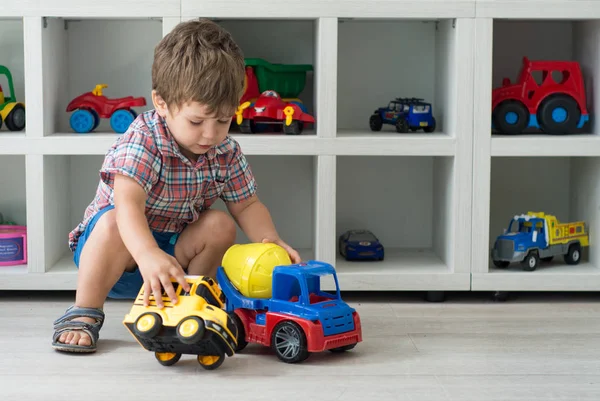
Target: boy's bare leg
103,260
201,245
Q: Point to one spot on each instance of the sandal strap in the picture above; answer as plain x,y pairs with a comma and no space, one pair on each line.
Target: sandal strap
92,330
74,312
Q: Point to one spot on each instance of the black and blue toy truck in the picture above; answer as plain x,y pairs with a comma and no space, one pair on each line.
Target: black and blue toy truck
405,114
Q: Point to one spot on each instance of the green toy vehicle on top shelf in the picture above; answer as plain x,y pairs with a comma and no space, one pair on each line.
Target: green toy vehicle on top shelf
12,113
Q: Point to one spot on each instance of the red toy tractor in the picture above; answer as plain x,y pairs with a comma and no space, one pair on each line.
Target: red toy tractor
554,105
91,106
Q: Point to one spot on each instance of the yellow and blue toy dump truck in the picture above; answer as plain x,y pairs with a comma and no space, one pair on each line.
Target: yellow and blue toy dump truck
537,236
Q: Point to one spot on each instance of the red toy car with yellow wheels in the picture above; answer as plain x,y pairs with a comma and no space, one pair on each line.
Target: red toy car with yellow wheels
556,105
91,106
269,108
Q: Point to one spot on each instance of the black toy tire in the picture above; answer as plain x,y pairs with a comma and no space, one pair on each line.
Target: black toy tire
430,128
153,331
168,362
549,105
573,255
197,336
299,352
342,349
241,332
15,120
295,128
531,261
246,127
402,126
518,109
215,365
375,122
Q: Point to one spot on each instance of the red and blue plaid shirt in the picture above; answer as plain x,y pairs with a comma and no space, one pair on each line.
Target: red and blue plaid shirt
178,189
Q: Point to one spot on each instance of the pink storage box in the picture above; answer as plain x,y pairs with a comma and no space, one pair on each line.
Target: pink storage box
13,245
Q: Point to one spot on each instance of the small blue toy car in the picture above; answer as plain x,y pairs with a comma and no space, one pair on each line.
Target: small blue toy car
406,114
360,245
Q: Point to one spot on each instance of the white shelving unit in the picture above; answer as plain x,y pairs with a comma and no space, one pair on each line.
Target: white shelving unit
559,175
435,200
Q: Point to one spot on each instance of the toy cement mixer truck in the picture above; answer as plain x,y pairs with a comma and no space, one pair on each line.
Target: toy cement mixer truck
281,305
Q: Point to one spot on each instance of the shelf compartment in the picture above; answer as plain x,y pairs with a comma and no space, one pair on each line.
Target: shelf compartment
409,204
13,201
547,40
70,183
370,77
286,185
82,53
279,56
13,57
566,187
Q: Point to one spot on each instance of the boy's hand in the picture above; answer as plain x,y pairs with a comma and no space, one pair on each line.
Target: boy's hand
157,267
294,256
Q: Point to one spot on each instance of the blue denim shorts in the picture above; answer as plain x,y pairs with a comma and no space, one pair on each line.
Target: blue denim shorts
129,284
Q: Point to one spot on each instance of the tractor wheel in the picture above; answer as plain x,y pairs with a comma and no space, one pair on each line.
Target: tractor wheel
375,122
15,120
558,115
511,117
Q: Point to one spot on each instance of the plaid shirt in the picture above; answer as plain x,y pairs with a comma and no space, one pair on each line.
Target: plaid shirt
178,190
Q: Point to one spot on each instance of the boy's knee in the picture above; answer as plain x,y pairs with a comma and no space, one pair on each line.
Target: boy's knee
221,227
107,227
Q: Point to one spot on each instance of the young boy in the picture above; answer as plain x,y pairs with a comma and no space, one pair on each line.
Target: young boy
150,219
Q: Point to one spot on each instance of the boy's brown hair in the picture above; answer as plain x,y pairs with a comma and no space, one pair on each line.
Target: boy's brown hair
198,61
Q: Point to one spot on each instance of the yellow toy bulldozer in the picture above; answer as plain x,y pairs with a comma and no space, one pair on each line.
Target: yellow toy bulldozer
12,113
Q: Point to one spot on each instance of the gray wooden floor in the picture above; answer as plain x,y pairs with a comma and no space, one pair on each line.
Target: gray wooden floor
536,347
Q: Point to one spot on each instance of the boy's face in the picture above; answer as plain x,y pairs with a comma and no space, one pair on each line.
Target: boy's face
195,130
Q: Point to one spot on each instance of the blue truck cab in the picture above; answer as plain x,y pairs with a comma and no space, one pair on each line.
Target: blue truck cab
297,292
405,114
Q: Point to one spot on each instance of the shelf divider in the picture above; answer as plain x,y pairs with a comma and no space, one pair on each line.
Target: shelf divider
326,76
34,89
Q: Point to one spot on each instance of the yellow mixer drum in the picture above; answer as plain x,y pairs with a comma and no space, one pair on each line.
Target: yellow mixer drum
249,267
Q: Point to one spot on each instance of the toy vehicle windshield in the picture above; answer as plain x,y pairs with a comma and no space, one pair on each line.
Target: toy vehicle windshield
360,237
270,93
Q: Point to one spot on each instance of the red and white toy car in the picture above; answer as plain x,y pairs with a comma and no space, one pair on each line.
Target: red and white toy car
269,108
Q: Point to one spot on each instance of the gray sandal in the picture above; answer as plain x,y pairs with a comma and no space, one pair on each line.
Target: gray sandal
66,323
